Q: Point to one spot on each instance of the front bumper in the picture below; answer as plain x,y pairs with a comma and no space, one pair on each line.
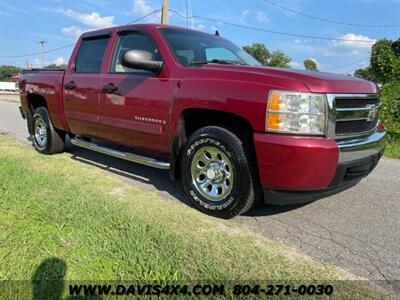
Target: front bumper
351,150
301,169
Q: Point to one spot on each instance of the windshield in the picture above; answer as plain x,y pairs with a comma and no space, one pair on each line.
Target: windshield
195,48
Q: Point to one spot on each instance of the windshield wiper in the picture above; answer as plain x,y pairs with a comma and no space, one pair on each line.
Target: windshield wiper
216,61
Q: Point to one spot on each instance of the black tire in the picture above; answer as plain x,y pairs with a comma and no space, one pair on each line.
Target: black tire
229,150
46,139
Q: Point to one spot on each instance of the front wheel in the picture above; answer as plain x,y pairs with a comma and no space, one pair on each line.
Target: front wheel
46,139
217,172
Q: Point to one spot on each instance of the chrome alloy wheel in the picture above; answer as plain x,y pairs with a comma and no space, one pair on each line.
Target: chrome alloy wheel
212,173
40,131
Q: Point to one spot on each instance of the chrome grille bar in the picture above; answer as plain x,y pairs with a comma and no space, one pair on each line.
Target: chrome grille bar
352,115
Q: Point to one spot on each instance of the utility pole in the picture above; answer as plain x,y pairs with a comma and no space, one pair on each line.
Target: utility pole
28,65
164,13
41,43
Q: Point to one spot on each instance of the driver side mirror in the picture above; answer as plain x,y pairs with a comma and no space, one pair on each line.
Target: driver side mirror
141,60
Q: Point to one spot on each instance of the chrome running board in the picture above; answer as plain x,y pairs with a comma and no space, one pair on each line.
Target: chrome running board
143,160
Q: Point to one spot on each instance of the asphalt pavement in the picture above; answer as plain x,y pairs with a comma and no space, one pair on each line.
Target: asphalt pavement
358,230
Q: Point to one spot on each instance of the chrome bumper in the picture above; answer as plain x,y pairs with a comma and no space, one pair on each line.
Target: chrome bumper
354,149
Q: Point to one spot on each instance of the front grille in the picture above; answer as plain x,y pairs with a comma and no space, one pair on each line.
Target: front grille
355,103
350,127
355,114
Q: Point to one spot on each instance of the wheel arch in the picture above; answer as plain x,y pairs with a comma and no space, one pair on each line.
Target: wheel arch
192,119
34,101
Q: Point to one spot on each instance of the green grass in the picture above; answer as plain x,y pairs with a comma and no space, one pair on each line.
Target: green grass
60,219
392,147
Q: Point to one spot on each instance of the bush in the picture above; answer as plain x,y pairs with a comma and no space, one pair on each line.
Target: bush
385,63
390,114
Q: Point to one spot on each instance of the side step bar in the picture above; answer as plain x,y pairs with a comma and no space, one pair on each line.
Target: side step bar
148,161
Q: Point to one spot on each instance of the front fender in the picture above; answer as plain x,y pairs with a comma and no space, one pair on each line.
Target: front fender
247,100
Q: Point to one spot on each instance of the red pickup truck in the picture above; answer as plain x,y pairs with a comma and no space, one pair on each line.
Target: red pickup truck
196,104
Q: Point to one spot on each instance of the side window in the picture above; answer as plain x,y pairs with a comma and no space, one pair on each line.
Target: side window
90,55
220,53
132,41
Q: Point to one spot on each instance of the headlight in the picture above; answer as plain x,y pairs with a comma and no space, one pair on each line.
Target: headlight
296,113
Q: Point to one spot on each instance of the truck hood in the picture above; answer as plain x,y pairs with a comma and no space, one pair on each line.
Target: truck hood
317,82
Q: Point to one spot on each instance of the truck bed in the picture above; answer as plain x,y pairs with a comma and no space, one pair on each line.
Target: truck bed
47,83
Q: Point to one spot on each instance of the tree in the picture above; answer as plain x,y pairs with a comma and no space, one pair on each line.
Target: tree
385,67
259,52
365,73
6,72
385,64
279,59
396,48
390,111
273,59
310,64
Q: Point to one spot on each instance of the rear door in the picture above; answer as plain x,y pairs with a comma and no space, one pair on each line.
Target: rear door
134,103
82,85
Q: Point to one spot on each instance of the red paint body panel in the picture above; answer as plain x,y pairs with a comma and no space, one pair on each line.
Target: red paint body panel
295,163
49,85
285,162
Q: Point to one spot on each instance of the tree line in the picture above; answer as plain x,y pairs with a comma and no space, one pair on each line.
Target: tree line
275,58
384,64
6,72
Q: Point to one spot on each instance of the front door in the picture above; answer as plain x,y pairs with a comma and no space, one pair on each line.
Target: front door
133,109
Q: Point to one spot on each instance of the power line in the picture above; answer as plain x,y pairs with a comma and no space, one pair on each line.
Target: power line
206,19
327,20
354,69
145,16
37,53
269,31
364,60
69,45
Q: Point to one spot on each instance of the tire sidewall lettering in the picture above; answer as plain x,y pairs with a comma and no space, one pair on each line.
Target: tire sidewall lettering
209,204
208,141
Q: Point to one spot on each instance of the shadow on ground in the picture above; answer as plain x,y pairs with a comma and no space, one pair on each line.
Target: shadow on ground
148,179
48,281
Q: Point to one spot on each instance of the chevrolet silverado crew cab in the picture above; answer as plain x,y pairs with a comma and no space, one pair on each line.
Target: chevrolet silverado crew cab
199,106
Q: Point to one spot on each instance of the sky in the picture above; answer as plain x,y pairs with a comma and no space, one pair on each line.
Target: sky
59,23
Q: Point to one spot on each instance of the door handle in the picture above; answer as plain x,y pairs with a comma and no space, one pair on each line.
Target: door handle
70,85
109,88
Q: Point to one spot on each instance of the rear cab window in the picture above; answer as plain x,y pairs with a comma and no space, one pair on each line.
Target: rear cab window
91,54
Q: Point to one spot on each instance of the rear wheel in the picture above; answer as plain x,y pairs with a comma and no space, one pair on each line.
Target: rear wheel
46,139
217,173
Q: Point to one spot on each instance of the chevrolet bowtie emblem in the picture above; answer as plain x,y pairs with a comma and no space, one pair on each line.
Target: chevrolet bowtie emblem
373,112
